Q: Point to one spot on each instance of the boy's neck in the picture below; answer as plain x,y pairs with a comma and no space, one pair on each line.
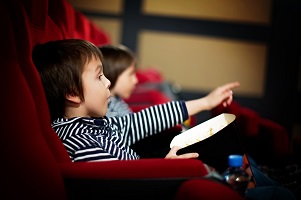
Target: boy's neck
72,111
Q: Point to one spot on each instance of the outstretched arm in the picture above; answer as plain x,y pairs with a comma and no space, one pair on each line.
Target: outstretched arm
222,94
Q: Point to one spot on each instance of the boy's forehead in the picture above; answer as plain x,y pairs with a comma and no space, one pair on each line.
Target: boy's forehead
95,63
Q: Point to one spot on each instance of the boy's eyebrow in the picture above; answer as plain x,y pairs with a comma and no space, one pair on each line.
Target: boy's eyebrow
99,68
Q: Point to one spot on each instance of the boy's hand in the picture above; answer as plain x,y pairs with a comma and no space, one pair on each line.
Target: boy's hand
173,154
222,94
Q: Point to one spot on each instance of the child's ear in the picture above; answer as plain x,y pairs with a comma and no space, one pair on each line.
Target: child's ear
73,98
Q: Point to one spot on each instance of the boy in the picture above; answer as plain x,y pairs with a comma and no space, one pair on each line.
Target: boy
77,93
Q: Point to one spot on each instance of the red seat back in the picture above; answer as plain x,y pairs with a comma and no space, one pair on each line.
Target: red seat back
28,32
29,168
35,21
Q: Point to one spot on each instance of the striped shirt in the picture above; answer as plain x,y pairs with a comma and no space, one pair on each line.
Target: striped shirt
94,139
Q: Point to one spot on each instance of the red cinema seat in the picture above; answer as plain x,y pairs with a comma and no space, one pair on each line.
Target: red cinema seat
35,164
29,168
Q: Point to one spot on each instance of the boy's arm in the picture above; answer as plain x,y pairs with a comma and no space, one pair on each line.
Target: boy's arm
157,118
152,120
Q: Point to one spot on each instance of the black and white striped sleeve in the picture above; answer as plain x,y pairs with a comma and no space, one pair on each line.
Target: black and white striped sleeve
152,120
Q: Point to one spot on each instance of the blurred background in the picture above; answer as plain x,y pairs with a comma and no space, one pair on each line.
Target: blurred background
201,44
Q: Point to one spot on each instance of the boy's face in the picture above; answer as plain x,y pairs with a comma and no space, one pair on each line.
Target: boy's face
126,83
96,89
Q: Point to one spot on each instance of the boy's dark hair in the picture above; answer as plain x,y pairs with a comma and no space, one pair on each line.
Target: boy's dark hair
60,64
116,59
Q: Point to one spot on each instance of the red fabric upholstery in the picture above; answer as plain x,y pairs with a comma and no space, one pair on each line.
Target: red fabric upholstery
29,168
36,165
149,75
156,168
249,127
215,190
27,34
38,27
74,24
278,135
29,164
145,98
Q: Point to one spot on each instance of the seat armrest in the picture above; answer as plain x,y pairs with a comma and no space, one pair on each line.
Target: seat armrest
129,169
144,178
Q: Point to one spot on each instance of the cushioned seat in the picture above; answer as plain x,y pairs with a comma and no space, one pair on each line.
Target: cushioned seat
36,164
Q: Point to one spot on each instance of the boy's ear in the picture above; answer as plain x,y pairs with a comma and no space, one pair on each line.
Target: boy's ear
73,98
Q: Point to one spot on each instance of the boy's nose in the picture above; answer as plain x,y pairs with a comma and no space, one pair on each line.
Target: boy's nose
108,83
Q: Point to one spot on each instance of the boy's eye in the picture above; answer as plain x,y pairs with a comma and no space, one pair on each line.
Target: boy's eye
99,77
